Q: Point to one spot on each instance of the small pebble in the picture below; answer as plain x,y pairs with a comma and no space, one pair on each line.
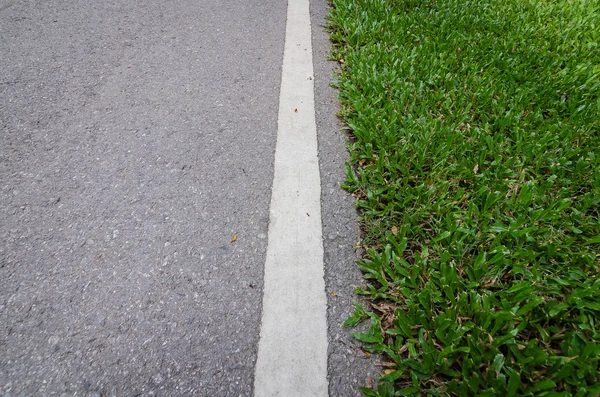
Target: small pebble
157,379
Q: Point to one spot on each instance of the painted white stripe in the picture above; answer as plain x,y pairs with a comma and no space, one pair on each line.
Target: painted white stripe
292,352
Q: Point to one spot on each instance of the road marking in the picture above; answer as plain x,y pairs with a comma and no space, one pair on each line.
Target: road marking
292,352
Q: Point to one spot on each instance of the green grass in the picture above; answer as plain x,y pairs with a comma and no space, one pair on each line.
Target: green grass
476,167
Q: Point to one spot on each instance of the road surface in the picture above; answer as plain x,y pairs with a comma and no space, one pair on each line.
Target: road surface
136,165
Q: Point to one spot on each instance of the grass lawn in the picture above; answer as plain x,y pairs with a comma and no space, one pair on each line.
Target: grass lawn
476,167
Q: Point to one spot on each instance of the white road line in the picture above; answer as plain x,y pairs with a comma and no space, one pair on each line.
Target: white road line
292,352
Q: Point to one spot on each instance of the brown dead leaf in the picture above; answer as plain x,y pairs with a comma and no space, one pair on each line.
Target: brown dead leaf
512,189
394,230
490,283
476,169
403,349
388,364
385,307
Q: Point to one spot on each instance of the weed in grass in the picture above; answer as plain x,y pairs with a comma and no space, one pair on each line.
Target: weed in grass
476,167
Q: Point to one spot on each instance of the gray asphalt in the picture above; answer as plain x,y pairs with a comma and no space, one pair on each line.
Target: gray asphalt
137,140
349,368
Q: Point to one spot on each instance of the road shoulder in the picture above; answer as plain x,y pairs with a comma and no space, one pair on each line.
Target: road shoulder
348,367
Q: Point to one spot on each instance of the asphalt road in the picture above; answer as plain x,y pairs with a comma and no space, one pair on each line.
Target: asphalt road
137,140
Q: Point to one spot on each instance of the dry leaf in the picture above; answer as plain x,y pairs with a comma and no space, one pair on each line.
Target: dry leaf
388,371
476,168
394,230
296,110
403,349
342,60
